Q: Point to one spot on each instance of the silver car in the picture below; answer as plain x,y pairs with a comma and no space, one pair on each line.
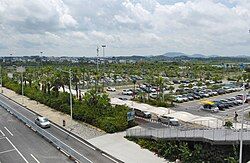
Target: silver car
42,122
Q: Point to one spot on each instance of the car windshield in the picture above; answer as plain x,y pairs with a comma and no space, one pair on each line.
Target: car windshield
44,120
175,123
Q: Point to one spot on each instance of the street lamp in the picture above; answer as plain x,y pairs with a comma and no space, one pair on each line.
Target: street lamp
21,70
97,59
1,80
242,123
70,93
41,52
104,66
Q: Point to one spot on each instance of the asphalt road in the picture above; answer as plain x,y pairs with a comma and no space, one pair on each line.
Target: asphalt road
20,144
88,151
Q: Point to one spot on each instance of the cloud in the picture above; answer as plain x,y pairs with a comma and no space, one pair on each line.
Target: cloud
126,26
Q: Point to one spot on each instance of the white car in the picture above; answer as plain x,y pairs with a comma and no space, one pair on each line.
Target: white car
179,99
153,95
42,122
127,92
111,89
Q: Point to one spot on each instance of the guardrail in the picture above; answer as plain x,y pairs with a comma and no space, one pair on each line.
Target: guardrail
58,143
209,135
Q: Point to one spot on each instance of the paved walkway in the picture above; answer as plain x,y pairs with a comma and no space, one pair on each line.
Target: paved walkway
125,150
114,144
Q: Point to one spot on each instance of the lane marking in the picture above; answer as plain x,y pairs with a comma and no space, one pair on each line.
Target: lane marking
8,131
109,158
2,132
34,158
17,150
7,151
68,133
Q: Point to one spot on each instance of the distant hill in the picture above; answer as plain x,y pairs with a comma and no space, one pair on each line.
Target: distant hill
174,54
198,56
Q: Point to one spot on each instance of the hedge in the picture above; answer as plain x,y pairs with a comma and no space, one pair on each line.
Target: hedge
95,110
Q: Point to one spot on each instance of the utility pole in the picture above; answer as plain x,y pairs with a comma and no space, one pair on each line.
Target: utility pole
41,52
97,59
1,80
242,122
70,92
103,53
70,85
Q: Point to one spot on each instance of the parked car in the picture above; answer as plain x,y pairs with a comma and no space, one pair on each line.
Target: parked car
123,98
210,107
196,96
168,120
127,92
143,114
190,97
230,103
111,89
42,122
220,105
221,91
153,95
178,99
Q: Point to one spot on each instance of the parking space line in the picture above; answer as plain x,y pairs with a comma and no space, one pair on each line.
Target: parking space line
7,151
8,131
17,150
2,132
34,158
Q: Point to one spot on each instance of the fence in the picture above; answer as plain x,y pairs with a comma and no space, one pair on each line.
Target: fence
210,135
58,143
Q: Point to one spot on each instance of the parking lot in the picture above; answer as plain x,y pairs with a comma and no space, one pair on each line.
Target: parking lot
194,107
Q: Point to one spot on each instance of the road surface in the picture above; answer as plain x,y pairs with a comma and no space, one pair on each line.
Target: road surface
20,144
87,150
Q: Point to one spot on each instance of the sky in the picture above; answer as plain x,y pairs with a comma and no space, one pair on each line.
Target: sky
126,27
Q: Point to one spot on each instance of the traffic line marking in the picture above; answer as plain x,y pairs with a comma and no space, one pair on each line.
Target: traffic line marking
7,151
17,150
34,158
109,158
74,137
8,131
2,132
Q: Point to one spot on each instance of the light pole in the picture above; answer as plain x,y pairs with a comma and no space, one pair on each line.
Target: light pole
104,66
242,122
41,52
21,70
97,59
1,80
70,93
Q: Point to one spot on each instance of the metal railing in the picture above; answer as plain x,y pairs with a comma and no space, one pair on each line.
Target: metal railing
58,143
215,135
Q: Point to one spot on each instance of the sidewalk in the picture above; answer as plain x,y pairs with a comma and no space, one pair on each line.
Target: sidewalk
114,144
125,150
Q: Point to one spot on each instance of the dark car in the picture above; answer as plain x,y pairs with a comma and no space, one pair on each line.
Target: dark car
234,101
230,103
220,105
221,91
190,97
196,96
